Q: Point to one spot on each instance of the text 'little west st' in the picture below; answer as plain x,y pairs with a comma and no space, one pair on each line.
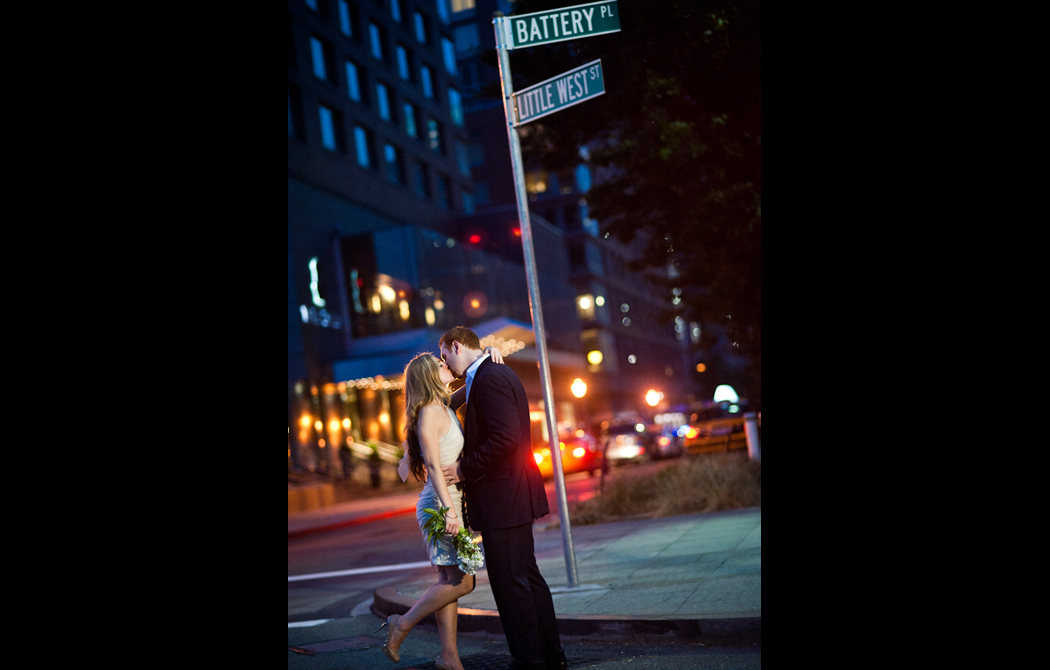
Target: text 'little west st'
566,90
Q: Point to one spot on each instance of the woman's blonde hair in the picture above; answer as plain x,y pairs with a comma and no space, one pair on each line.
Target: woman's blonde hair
422,387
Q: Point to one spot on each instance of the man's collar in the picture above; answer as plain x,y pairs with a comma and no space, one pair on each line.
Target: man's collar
476,364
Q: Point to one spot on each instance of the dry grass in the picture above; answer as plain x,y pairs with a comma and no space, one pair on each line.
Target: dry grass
706,483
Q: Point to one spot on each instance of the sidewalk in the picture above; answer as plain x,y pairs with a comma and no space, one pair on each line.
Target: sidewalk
696,576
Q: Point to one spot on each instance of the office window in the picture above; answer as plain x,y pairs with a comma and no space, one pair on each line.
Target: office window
434,136
417,178
421,28
395,10
466,38
376,39
331,129
362,142
353,82
444,192
402,63
346,24
468,203
410,120
448,52
463,159
382,101
462,5
424,79
443,13
455,106
312,4
318,55
392,163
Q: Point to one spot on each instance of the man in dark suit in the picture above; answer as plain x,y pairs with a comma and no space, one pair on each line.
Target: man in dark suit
503,491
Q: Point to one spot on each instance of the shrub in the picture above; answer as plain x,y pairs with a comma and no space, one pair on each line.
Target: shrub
705,483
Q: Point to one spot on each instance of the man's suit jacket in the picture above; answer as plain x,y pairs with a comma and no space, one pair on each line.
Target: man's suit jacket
504,487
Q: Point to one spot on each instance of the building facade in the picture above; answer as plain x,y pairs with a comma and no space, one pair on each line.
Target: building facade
387,248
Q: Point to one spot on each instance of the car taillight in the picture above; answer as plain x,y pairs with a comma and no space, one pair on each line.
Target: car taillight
539,459
578,452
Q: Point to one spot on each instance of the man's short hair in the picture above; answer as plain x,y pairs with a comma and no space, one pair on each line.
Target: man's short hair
465,336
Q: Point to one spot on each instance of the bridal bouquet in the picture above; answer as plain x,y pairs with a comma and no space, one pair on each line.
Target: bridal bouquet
469,558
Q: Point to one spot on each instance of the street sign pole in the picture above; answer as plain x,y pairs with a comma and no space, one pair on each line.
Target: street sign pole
503,39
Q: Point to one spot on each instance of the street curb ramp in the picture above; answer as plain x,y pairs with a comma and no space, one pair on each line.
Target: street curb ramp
610,628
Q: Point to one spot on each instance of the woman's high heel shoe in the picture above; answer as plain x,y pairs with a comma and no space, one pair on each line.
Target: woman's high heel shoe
440,664
390,624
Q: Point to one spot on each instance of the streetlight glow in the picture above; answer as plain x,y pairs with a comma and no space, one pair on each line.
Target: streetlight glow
579,388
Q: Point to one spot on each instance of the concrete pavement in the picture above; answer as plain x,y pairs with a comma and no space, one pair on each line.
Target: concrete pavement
695,576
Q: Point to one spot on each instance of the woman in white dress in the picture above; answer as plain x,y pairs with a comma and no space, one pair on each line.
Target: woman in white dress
435,438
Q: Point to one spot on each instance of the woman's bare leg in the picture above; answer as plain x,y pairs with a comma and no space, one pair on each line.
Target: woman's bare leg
447,620
451,586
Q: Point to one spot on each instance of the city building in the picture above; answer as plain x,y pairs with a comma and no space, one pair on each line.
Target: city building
387,247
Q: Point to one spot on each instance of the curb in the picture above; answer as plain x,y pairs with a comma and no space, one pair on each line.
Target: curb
608,628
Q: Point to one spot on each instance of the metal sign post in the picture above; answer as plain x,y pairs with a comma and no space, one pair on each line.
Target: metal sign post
500,24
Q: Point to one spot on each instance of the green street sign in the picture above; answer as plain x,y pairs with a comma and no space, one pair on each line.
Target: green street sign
564,23
567,89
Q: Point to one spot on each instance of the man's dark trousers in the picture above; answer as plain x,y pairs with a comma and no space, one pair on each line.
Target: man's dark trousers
526,609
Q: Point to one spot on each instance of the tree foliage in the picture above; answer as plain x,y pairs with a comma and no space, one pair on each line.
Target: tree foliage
676,143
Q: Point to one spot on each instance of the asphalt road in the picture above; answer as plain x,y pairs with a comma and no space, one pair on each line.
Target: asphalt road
480,653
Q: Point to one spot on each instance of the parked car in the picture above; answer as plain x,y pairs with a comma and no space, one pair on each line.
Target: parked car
667,440
720,427
627,442
579,454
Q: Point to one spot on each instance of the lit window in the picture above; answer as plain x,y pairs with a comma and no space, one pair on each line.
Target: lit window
424,78
421,29
395,10
462,5
317,52
448,51
536,182
455,106
376,38
361,140
442,7
382,102
585,307
402,62
353,84
410,120
344,19
327,128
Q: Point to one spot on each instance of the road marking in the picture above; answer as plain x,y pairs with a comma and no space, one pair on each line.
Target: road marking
304,624
360,571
